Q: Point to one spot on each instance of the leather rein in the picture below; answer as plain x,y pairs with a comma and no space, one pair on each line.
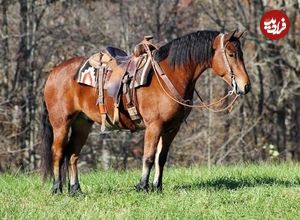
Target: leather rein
174,94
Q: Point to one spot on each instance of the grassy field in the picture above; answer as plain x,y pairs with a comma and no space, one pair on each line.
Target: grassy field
234,192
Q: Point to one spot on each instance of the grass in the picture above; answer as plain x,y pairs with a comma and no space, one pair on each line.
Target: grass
232,192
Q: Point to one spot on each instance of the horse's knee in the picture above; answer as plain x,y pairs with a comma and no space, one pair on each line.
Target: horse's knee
149,160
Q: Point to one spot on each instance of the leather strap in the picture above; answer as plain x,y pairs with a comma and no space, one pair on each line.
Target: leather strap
161,73
100,100
167,81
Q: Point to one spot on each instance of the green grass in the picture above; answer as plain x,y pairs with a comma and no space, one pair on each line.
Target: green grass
232,192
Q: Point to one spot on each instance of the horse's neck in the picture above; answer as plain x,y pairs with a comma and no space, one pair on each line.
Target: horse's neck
195,74
184,77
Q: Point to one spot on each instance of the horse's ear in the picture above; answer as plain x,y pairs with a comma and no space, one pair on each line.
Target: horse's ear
216,42
239,34
228,36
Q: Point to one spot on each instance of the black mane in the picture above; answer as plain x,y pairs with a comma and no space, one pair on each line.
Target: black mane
191,48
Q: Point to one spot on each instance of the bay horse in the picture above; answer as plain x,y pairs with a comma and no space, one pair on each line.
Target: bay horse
71,107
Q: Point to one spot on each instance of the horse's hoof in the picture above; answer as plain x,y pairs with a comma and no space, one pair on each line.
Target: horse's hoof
75,190
75,193
141,188
56,191
56,188
157,189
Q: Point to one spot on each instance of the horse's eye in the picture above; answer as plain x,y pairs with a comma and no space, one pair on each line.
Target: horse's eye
231,54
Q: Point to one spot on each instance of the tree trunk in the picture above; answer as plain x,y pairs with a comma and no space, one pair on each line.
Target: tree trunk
5,47
26,80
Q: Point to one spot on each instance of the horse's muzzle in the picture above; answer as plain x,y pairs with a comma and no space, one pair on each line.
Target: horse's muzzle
243,91
247,88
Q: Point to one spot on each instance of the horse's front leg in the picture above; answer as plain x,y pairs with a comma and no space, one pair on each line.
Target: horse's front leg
152,135
161,157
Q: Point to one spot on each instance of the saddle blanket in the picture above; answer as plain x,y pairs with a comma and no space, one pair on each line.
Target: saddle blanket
88,72
87,75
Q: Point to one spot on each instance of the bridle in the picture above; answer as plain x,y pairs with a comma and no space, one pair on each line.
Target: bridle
226,62
175,96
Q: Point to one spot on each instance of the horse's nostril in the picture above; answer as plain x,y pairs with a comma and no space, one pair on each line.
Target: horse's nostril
247,88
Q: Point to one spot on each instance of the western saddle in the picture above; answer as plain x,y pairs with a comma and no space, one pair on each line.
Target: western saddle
118,74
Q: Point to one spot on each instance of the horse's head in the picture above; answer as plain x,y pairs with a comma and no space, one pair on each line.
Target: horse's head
228,61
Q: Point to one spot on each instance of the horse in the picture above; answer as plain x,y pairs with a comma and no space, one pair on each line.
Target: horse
71,110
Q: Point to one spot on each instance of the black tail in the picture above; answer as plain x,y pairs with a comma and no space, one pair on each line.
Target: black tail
47,140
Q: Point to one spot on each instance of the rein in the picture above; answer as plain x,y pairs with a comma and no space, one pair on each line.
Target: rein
176,97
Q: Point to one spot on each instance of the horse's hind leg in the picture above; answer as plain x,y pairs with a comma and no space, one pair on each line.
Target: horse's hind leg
80,129
60,135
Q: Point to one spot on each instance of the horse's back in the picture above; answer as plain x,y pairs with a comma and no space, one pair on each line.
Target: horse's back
68,67
61,77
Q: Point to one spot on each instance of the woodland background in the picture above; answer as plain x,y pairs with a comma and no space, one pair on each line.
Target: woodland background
36,35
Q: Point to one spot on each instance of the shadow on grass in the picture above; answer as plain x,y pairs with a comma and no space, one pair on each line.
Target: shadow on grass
233,183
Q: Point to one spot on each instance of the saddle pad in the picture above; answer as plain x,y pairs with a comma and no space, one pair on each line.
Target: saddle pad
143,70
87,75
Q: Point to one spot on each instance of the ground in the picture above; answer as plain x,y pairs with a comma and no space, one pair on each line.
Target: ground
221,192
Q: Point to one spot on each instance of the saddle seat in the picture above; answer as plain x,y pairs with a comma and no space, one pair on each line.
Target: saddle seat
124,68
116,52
119,55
